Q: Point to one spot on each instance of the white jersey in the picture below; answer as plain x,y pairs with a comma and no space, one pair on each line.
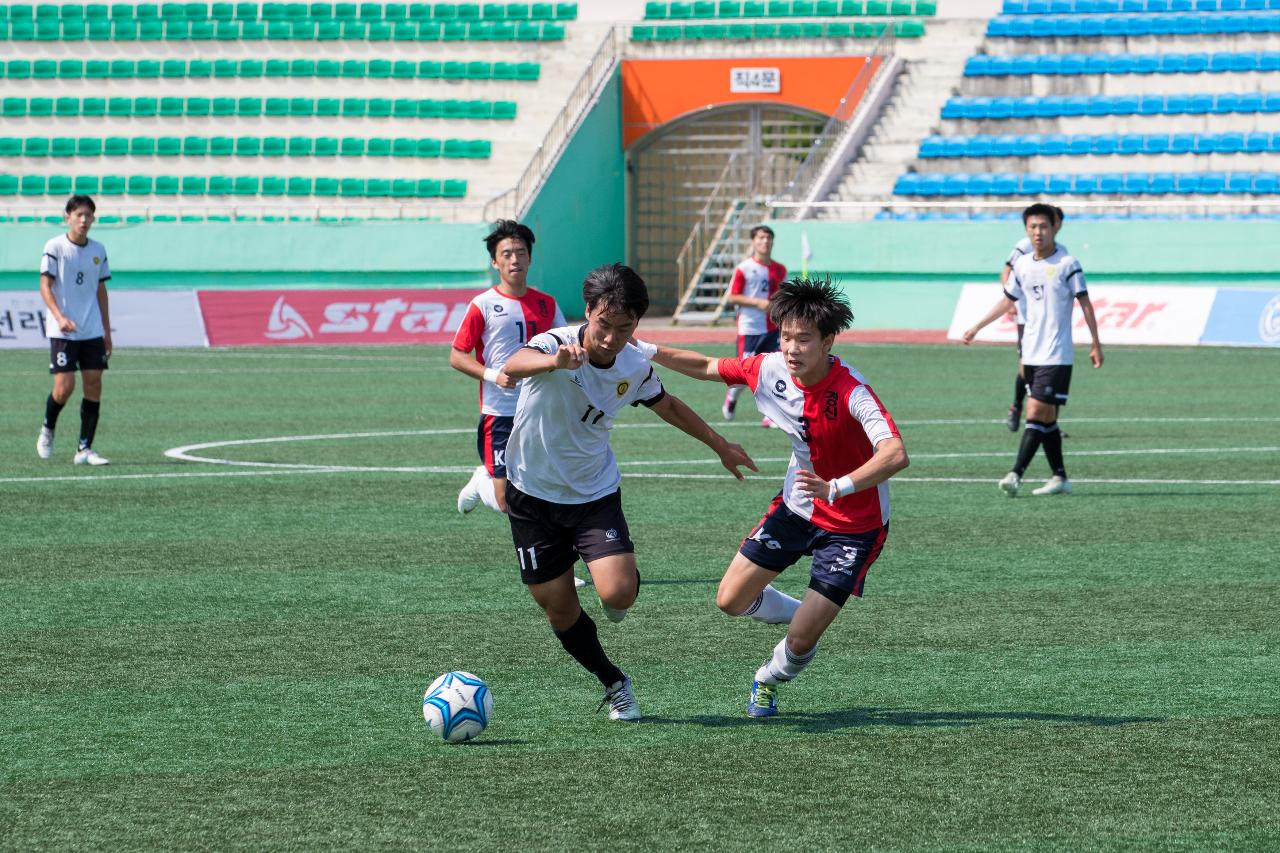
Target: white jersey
559,446
1020,248
758,281
495,326
1047,290
76,272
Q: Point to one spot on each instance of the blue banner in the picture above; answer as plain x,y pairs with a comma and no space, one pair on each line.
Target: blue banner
1244,318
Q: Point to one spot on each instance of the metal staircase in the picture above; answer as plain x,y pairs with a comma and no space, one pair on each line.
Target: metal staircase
706,301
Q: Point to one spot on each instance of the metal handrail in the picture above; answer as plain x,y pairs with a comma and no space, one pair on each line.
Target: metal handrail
514,202
695,246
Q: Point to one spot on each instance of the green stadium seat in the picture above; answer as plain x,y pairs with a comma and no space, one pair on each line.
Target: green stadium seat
32,185
479,70
140,185
454,109
302,106
351,187
328,106
44,69
352,146
18,69
877,8
150,31
309,30
142,146
377,188
454,71
839,29
404,69
123,69
115,146
194,146
203,31
542,12
15,107
299,146
66,107
194,185
325,186
174,69
298,186
248,146
97,69
868,29
249,107
456,148
566,11
419,12
378,31
278,30
354,68
453,31
704,9
275,107
378,146
654,11
642,33
325,146
354,106
40,107
112,185
10,146
901,7
85,185
403,188
250,68
246,12
379,69
99,30
926,7
35,146
22,31
552,32
252,31
226,68
517,11
59,185
220,185
274,146
97,11
166,185
147,69
505,110
276,68
227,31
489,12
88,146
404,108
222,11
145,107
8,185
909,29
221,146
223,106
851,8
62,146
404,147
430,70
172,107
199,106
320,12
429,147
245,185
272,185
168,146
453,189
196,11
302,68
273,12
328,68
430,31
175,30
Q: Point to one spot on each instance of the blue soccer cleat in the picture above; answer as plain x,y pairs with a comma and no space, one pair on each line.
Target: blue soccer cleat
764,700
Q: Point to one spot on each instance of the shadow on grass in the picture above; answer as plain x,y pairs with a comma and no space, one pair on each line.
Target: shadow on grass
858,718
496,741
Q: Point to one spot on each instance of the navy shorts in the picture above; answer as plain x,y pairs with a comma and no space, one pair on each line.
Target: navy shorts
549,537
491,442
1049,383
840,560
69,356
756,344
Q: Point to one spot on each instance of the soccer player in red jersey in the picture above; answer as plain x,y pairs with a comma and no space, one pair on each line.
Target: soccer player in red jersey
834,503
755,280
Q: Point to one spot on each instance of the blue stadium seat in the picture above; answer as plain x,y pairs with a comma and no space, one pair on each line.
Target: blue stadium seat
1212,183
1219,62
1026,146
1227,102
1054,145
1024,65
1130,143
931,184
1137,183
1085,183
953,108
907,184
1161,183
1204,143
1271,102
1230,143
1121,63
1031,184
1126,105
1256,142
1197,63
1003,145
976,66
1080,144
1105,144
1249,102
956,184
1177,104
1150,105
953,146
1266,183
1058,184
1005,183
1156,143
1000,108
932,146
1146,63
1240,182
1269,60
1073,63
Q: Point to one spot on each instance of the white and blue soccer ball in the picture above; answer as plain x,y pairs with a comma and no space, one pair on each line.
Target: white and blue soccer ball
457,706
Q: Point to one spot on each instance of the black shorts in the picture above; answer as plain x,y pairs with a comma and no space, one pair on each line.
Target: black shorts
840,560
69,356
549,537
491,442
756,344
1049,383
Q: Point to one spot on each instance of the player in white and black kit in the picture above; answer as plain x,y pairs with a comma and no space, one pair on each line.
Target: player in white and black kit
1046,283
755,281
497,323
563,497
1022,247
73,284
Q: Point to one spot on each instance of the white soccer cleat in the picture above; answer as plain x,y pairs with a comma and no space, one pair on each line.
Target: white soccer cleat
1055,485
580,582
89,456
621,701
1010,484
44,444
727,408
469,497
613,614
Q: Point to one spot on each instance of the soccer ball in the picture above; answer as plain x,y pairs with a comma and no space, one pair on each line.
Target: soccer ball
457,706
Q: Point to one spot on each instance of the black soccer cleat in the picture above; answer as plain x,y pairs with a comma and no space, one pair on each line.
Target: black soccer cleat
1014,419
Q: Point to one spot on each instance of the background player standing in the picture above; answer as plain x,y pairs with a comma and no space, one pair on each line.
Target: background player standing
564,498
1022,247
73,284
834,503
755,280
1047,283
497,323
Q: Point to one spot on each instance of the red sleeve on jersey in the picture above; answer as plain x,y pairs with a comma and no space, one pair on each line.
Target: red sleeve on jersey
738,283
741,371
470,331
777,275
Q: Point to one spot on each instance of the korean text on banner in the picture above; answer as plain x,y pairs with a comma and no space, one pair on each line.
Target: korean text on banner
275,317
1126,314
139,318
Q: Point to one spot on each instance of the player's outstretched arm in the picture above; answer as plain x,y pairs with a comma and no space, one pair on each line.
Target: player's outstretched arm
890,458
690,363
676,412
1091,320
998,310
528,361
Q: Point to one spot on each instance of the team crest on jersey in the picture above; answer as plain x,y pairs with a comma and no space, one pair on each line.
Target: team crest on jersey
780,389
96,260
611,534
622,388
498,309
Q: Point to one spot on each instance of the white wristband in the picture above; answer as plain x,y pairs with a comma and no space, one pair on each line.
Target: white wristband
491,375
840,487
647,349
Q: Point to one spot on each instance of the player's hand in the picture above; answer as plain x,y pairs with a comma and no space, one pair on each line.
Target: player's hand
66,324
732,456
570,357
969,335
505,381
1095,355
810,485
106,340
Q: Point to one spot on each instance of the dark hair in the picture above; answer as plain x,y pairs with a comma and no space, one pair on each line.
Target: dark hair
1053,214
504,228
1061,216
80,201
809,301
617,288
765,228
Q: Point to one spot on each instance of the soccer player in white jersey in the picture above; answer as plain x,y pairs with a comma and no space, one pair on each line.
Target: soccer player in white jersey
497,323
755,280
1022,247
563,498
1046,282
834,503
73,284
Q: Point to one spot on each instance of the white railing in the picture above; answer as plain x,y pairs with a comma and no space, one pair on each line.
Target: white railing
690,261
460,212
513,203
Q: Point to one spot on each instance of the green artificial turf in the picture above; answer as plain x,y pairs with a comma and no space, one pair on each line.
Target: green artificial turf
229,656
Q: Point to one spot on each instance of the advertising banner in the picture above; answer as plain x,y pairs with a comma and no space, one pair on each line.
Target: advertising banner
139,318
1126,314
333,317
1244,318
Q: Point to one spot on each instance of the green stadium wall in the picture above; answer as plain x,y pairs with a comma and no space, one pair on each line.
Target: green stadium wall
908,275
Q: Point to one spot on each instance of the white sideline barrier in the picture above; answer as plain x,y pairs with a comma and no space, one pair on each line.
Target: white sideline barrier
139,318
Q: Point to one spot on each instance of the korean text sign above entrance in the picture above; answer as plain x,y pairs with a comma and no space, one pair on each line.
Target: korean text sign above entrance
760,80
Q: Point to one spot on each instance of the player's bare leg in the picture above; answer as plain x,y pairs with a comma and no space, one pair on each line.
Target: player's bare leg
745,590
617,582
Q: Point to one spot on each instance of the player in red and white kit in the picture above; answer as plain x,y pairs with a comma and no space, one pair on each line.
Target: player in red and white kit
499,322
834,503
754,281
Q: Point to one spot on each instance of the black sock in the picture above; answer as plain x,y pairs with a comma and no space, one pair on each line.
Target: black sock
1053,450
580,640
1031,438
1019,391
52,408
88,422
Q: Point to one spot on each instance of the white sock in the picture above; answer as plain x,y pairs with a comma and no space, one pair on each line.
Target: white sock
484,484
784,665
735,391
773,607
